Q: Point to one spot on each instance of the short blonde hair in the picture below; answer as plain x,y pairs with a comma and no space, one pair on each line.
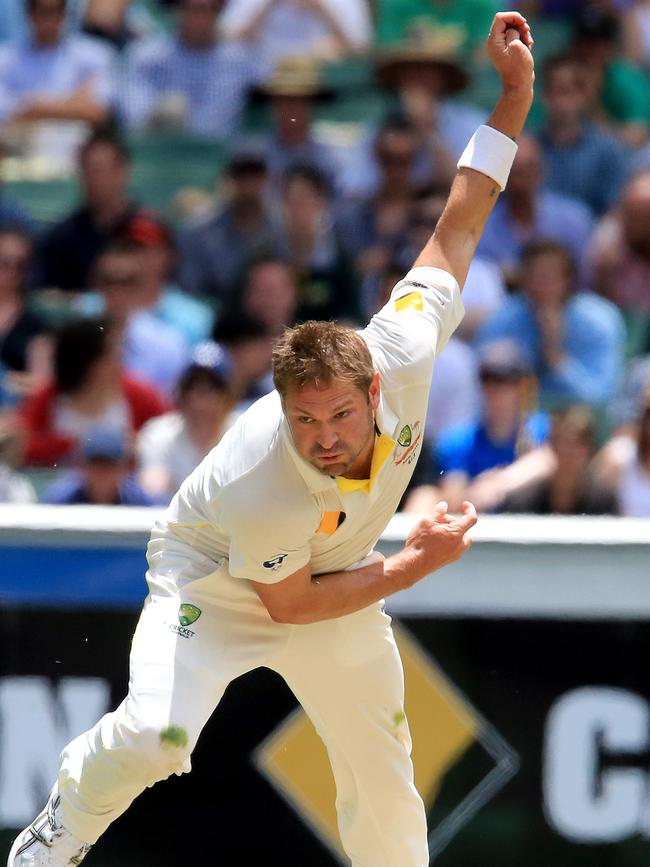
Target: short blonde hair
316,353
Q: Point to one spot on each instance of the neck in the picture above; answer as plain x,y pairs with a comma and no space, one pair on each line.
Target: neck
502,427
247,215
108,212
522,207
564,130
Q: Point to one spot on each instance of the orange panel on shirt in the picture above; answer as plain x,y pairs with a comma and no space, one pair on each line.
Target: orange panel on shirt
329,524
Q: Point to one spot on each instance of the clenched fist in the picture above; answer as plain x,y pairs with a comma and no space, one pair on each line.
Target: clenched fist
509,46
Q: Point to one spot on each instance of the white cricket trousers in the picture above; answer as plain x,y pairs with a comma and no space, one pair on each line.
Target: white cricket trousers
346,673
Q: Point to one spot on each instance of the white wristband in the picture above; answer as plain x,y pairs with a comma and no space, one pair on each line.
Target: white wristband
491,153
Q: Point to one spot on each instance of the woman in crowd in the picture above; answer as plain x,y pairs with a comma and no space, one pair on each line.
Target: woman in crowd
88,391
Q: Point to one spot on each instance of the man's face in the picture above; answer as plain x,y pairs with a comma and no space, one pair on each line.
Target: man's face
103,172
545,280
395,154
46,20
635,215
333,427
565,92
197,22
119,279
526,173
103,477
270,294
15,253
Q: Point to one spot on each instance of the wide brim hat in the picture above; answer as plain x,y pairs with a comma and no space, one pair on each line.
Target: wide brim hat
294,76
424,46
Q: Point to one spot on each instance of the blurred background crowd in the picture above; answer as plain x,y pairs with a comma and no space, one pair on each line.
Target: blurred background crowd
181,180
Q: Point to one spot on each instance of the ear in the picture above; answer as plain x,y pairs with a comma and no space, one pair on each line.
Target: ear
374,391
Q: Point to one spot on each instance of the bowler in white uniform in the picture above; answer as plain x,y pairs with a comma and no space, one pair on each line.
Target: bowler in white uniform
265,557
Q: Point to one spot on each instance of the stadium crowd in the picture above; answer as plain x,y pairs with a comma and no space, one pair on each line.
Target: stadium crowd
133,333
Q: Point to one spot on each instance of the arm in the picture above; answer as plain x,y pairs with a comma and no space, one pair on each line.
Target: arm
79,105
433,543
473,194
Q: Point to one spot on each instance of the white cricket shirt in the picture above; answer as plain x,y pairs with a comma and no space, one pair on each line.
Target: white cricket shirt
255,501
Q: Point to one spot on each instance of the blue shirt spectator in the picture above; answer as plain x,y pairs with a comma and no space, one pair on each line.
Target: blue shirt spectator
469,449
72,489
190,80
573,340
581,160
47,75
525,213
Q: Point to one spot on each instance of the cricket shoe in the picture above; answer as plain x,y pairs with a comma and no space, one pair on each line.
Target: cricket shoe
46,843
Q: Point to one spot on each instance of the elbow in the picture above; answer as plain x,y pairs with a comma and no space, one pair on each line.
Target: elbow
292,614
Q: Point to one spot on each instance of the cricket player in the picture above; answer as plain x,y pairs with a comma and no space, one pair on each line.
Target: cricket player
265,557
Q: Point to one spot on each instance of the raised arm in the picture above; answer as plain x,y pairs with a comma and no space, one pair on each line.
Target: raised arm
474,192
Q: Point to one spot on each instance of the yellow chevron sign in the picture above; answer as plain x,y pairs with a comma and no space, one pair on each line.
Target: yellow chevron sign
443,726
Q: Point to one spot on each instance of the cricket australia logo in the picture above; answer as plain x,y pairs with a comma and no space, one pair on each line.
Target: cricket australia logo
275,562
187,614
407,443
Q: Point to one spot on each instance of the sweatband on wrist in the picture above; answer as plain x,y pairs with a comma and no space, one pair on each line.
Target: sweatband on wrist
491,153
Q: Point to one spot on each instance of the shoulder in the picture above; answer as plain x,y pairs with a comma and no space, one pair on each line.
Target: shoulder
147,51
88,49
458,438
566,208
141,395
597,310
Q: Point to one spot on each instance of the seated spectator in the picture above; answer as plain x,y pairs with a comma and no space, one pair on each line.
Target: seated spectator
525,213
247,344
620,250
627,406
14,487
373,228
292,92
581,160
569,486
52,76
624,463
423,73
270,294
151,349
88,390
12,214
471,455
103,476
618,90
327,281
321,29
190,80
23,350
171,446
215,247
160,296
573,340
70,247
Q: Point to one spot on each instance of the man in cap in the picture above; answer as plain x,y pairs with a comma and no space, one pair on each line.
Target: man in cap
103,476
266,553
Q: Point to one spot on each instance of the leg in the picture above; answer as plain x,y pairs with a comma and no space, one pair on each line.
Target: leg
172,692
348,676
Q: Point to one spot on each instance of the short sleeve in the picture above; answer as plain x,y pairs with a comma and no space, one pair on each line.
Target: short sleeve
267,543
422,313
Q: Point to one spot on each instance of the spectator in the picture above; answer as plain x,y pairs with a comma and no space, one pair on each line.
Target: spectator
23,350
270,294
161,297
14,487
215,247
104,476
292,92
325,272
171,446
12,215
526,213
71,246
89,390
151,349
320,29
569,486
49,75
620,251
374,227
628,403
423,73
471,455
618,90
190,80
636,33
624,463
573,340
247,344
581,160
